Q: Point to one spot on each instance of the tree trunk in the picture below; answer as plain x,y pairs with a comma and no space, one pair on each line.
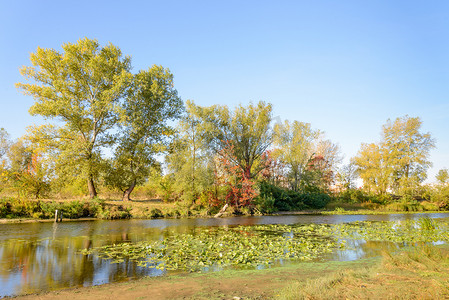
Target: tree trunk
91,187
222,211
127,193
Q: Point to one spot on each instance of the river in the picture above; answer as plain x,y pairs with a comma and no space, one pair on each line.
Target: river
37,257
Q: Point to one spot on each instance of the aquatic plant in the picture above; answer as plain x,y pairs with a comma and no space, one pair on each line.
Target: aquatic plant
426,223
220,247
263,245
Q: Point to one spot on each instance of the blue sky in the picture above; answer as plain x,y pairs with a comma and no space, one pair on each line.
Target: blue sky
343,66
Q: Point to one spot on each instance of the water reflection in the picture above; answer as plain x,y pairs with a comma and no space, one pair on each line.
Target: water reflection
38,257
359,249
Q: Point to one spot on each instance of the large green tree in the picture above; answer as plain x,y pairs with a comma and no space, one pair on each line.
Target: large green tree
82,88
408,150
310,160
374,168
152,102
246,131
399,162
295,147
189,160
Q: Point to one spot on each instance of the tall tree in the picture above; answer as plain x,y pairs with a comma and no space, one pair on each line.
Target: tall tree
399,162
82,88
310,160
246,130
374,168
442,176
294,144
189,160
408,150
347,176
5,144
322,167
152,103
27,172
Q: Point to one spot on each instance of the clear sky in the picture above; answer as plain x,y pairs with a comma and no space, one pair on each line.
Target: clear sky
343,66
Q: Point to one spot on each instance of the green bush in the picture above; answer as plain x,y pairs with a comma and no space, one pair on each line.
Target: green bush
118,212
441,196
266,204
5,208
48,209
155,213
406,203
72,210
352,196
282,200
316,201
272,198
382,199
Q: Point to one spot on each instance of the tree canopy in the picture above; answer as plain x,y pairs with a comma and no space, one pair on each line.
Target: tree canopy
98,103
246,130
399,161
151,103
294,144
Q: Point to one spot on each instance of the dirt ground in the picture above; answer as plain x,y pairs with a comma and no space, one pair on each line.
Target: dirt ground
252,284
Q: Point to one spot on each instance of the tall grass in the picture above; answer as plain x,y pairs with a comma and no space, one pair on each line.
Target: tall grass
421,273
426,223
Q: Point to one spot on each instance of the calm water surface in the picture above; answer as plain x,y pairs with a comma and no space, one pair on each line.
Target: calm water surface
37,257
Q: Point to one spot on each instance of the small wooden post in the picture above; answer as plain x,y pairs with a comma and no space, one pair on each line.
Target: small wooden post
58,216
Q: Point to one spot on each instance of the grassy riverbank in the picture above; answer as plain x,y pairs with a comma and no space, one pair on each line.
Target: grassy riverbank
20,210
419,273
44,209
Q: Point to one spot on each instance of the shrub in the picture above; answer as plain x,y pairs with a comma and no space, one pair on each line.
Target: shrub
73,210
406,203
48,209
429,206
426,223
316,201
5,208
275,198
266,204
441,196
155,213
352,196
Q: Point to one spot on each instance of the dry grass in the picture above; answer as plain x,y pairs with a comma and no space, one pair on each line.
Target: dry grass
143,208
422,273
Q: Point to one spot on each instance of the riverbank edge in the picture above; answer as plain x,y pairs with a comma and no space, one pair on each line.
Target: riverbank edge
280,213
